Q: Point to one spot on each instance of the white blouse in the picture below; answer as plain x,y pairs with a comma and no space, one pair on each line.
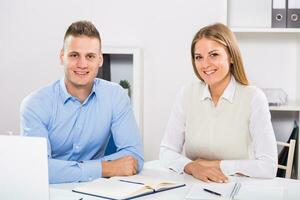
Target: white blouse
264,164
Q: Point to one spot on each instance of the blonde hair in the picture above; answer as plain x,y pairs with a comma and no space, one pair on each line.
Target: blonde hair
222,34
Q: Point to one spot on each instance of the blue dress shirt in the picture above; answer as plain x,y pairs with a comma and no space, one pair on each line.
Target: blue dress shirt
78,133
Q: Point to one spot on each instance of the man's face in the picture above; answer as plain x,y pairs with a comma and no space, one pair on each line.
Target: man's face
81,58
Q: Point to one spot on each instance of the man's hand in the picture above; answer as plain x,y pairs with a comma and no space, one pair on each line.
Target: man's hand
206,170
125,166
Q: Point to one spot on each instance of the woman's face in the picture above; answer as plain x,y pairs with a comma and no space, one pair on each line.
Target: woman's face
212,61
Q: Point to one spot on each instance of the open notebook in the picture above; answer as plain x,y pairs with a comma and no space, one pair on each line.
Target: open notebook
126,187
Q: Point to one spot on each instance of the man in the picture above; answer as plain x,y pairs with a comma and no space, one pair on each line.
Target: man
79,113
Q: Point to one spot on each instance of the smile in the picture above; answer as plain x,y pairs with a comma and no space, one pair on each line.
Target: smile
80,73
209,72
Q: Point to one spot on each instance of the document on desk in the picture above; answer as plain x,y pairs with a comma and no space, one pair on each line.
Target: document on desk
126,187
246,192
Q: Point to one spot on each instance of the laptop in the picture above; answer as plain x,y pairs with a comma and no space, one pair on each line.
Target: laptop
23,168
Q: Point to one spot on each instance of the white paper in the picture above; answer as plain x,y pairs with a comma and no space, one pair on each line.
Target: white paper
197,191
248,191
256,192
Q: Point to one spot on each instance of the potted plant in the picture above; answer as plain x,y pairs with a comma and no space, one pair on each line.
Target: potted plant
126,85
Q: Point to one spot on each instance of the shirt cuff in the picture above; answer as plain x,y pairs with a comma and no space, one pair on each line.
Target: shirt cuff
179,165
228,167
90,170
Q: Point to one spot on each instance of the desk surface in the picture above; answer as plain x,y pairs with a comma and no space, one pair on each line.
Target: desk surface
154,169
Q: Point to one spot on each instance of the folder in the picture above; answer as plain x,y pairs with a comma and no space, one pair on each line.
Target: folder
279,13
293,14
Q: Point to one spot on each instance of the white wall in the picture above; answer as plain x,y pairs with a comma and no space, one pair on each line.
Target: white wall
32,32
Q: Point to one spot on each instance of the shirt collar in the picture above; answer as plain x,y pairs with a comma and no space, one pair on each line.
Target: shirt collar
228,93
64,93
206,93
66,96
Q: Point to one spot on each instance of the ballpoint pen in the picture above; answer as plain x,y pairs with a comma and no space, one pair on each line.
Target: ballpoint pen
131,182
212,192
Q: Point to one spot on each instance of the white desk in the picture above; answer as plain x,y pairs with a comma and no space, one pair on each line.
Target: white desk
154,169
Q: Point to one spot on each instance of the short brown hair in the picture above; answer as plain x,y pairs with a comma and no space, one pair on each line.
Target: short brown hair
83,28
222,34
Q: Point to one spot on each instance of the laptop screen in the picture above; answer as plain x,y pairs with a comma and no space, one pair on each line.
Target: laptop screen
23,168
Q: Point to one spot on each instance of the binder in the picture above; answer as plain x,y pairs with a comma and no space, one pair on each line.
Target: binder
279,13
293,14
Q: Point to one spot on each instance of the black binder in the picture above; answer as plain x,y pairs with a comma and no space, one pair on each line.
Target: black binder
293,14
279,13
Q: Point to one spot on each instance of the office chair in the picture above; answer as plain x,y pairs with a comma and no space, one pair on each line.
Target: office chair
111,146
290,157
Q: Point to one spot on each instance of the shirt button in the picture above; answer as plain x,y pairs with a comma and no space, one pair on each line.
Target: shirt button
90,178
77,147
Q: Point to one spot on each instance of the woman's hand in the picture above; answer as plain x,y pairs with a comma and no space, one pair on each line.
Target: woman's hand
206,170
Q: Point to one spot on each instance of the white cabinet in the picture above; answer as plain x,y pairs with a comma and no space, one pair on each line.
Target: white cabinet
271,58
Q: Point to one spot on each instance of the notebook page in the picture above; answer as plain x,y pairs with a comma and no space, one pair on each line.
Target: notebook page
154,183
107,188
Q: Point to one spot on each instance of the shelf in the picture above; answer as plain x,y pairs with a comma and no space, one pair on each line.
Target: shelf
264,30
120,50
291,106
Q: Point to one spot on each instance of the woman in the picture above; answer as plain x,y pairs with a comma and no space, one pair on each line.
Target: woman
223,123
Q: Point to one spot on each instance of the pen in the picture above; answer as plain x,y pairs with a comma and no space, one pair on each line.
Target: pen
132,182
212,192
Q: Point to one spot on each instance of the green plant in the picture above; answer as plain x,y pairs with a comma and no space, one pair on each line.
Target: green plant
125,84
